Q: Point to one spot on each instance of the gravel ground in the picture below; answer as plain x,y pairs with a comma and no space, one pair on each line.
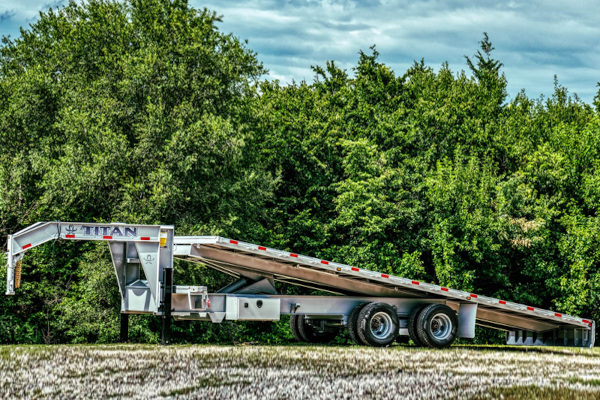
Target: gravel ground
297,372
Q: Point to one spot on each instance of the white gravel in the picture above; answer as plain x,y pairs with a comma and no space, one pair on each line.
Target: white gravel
290,372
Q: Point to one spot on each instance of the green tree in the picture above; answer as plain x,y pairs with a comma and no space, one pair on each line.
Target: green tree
143,111
138,111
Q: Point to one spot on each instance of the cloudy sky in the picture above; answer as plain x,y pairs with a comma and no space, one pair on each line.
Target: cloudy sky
534,39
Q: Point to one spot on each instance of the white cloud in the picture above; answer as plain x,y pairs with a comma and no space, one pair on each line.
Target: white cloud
15,14
534,39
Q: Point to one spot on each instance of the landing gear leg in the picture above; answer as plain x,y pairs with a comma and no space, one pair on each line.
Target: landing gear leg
166,316
124,336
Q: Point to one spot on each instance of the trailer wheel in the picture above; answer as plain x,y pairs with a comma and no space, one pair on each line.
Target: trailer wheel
437,325
311,335
412,325
353,324
378,324
294,327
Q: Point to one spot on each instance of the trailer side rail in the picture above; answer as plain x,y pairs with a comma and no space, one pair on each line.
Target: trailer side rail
262,252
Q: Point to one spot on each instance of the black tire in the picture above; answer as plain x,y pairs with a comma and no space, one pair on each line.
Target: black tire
437,325
353,325
412,325
294,327
311,335
378,324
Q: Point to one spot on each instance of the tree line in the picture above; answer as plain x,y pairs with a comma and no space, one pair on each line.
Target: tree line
145,112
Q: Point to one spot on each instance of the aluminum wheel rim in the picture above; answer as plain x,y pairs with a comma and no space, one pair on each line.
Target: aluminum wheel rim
381,325
441,326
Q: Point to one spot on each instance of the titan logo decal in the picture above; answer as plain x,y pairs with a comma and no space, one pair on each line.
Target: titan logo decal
109,231
148,259
71,230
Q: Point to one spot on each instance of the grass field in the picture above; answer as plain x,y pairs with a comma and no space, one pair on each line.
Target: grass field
298,372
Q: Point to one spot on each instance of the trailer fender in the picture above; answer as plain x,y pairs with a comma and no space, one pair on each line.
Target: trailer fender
467,313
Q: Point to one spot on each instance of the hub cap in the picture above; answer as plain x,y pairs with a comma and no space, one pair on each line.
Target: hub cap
381,325
441,326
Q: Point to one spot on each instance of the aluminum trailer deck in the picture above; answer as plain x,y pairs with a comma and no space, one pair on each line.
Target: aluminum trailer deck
373,306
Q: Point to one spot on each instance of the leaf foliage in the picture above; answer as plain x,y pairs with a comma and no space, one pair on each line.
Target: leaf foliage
145,112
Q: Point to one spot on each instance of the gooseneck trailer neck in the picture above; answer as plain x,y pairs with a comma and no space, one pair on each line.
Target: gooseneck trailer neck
376,308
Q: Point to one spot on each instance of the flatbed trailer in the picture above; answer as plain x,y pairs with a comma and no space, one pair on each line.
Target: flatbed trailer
376,308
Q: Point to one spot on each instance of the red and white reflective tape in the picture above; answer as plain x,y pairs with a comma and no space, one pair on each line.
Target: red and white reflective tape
404,281
26,246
